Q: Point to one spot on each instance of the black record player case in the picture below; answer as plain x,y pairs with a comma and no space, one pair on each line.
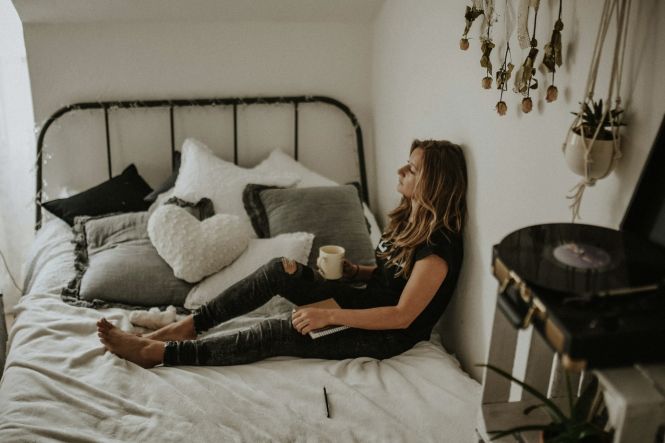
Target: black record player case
611,314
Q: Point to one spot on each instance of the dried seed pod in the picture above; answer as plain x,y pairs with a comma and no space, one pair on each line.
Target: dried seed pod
487,82
501,108
552,94
464,44
527,105
470,15
485,62
503,75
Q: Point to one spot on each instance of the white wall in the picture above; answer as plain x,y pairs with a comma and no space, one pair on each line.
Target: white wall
424,86
16,149
96,61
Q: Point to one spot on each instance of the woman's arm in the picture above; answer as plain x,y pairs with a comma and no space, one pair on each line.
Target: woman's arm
426,278
352,271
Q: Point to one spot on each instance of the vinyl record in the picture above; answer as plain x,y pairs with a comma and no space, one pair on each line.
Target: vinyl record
578,259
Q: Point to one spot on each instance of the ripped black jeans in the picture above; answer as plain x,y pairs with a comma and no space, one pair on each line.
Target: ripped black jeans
275,337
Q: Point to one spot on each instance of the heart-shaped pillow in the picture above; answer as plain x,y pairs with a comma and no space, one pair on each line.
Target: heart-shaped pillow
193,248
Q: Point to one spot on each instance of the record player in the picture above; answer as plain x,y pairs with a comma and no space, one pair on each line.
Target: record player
596,295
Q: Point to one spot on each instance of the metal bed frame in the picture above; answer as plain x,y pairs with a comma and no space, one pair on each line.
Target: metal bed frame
202,102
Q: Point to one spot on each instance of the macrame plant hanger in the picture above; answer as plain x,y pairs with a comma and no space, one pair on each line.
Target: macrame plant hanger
622,9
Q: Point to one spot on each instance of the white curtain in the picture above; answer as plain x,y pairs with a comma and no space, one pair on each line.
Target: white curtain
17,152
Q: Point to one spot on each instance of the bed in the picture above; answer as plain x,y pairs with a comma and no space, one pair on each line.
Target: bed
60,385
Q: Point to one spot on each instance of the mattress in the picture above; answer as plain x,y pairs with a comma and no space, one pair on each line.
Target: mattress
59,384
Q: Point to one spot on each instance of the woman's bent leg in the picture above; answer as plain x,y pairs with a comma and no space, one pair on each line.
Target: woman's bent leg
287,278
276,337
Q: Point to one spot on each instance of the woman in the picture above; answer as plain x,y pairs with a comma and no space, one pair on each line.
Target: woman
418,263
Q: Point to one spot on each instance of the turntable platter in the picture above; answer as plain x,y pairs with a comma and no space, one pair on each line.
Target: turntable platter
583,259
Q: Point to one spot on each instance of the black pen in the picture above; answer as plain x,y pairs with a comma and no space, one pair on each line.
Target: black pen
325,397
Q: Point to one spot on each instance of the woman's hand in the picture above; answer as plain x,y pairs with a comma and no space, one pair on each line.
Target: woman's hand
306,320
349,270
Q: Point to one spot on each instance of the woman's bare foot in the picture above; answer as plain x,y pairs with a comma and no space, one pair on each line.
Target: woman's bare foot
142,351
178,331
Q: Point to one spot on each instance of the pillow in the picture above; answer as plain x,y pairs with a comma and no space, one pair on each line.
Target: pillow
122,193
116,263
333,214
279,161
193,248
202,174
168,183
295,246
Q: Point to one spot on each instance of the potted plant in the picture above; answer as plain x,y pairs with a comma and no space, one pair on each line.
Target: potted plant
580,425
594,140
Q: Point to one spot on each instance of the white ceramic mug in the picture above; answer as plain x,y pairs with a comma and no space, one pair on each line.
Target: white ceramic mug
331,261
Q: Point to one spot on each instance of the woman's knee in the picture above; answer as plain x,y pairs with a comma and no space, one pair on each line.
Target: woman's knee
284,266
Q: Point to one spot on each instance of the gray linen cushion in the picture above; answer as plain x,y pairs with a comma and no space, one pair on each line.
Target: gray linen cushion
334,214
118,265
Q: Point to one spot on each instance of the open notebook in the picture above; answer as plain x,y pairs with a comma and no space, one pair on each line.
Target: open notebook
328,303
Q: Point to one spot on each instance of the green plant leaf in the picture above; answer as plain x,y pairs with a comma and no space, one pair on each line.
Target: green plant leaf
532,408
560,416
517,429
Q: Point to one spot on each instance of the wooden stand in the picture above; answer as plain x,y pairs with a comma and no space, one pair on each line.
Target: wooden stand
635,401
634,396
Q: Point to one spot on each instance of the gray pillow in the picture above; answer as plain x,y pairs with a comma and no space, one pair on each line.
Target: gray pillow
118,265
334,214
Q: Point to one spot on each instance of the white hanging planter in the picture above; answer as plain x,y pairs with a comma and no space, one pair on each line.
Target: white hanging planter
595,158
600,161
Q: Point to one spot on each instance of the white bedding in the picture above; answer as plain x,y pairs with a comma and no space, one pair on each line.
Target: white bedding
60,385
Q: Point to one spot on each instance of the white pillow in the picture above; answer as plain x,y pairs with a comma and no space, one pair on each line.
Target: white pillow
294,245
279,161
193,248
202,174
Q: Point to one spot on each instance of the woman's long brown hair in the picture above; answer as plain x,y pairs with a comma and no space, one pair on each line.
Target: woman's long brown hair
438,201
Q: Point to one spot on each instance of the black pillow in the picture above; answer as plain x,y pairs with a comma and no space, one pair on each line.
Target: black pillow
168,183
122,193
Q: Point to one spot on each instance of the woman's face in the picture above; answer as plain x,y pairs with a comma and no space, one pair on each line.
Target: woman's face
407,173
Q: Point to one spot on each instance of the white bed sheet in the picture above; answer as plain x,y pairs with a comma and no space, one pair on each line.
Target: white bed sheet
60,385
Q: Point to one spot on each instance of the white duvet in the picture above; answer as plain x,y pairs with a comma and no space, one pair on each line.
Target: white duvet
60,385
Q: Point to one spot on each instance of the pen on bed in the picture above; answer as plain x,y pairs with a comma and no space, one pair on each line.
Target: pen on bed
325,398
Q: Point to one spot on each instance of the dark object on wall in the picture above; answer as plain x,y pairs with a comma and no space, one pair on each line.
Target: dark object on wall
205,102
122,193
597,295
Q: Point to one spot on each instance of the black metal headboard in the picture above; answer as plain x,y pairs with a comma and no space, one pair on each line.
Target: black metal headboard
202,102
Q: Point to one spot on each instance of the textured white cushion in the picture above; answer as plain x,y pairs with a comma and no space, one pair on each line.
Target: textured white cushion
193,248
260,250
202,174
279,161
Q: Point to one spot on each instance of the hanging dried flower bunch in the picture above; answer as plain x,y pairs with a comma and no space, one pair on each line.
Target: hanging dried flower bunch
486,63
525,76
471,14
487,44
525,79
502,77
553,57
